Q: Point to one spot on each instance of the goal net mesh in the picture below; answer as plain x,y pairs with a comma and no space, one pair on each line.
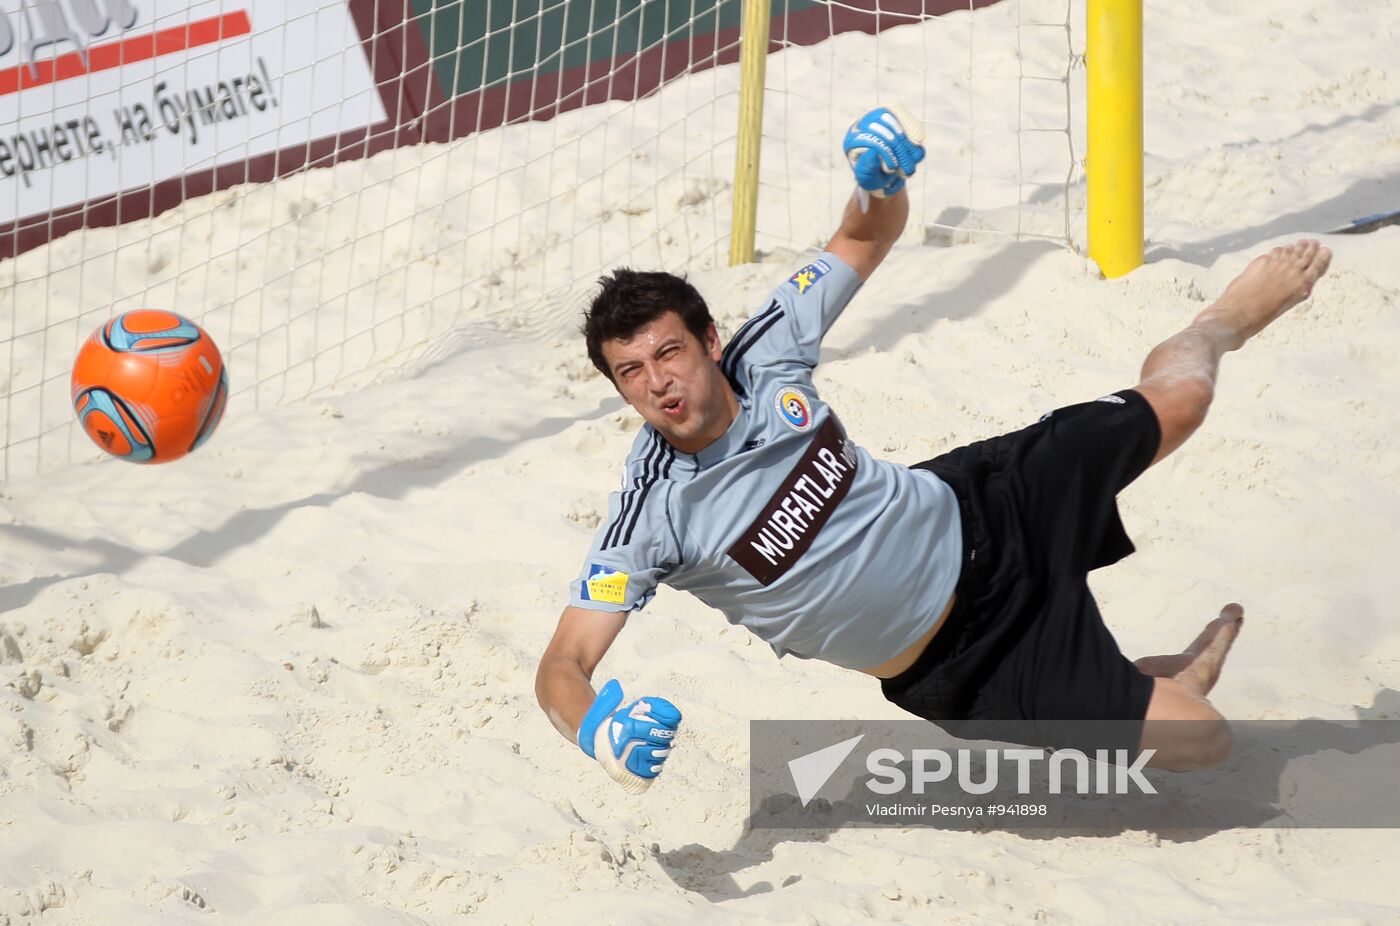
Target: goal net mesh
331,189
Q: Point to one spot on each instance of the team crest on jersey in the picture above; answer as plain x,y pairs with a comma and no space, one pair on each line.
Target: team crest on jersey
793,408
805,278
605,584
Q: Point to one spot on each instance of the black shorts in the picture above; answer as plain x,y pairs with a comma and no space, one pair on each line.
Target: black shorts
1024,657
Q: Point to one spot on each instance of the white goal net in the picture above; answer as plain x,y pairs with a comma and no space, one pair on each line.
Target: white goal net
330,188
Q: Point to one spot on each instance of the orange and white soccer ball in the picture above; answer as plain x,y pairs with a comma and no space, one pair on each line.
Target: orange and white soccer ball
149,386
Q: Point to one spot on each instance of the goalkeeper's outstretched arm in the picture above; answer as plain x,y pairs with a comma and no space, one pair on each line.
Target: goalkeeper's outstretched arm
563,681
883,147
867,234
631,741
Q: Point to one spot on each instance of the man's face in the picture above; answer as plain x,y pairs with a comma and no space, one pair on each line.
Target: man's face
674,381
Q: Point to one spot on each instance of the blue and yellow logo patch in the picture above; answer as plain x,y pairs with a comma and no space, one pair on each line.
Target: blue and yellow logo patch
793,408
605,584
807,277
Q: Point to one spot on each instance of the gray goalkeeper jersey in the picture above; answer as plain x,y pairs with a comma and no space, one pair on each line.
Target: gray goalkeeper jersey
783,524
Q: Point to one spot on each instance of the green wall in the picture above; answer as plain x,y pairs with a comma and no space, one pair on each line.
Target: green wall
483,43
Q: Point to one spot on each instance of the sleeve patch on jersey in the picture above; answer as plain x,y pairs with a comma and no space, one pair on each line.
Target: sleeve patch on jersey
605,584
807,277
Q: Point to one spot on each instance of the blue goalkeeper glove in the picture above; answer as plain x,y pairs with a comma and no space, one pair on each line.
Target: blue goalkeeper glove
632,742
884,147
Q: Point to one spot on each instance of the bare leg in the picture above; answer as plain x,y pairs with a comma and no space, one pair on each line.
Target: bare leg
1178,381
1182,727
1178,377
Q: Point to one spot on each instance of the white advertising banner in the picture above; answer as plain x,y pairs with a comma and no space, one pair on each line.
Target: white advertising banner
101,96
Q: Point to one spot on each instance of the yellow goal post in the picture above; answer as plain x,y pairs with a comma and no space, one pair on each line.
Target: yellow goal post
1113,59
1111,193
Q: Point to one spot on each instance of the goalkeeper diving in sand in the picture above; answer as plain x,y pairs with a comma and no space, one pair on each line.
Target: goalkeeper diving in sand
959,582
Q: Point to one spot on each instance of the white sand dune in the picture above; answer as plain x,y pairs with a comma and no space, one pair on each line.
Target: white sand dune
289,680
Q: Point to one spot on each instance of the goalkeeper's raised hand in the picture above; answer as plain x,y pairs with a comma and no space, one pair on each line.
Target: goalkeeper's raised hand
884,147
632,742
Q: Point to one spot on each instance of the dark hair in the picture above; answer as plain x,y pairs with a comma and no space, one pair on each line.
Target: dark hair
630,299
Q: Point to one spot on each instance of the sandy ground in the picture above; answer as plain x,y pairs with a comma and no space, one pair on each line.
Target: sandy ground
289,680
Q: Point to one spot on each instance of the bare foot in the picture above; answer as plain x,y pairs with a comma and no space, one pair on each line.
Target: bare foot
1175,664
1272,284
1209,649
1163,666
